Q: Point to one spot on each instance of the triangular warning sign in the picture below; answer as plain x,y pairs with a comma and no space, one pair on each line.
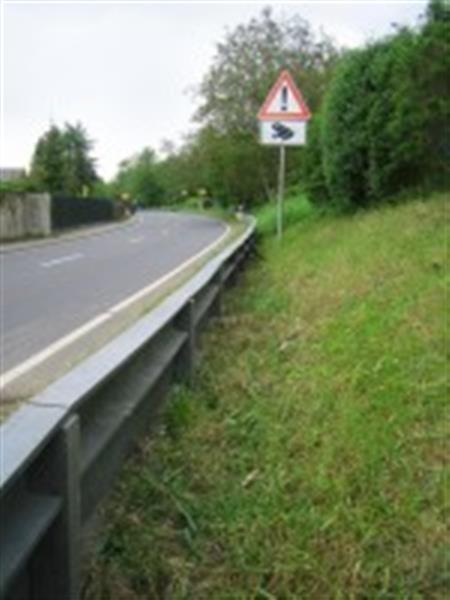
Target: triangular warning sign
284,102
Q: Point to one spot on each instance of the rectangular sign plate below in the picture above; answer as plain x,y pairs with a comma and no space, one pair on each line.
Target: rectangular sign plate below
283,133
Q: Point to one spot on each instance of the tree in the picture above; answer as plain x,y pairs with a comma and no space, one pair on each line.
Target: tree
137,179
48,162
79,166
227,165
248,62
438,11
179,174
62,161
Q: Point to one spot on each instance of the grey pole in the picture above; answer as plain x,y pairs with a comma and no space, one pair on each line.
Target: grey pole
281,192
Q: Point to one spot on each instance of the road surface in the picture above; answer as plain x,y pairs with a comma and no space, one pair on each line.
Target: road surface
52,290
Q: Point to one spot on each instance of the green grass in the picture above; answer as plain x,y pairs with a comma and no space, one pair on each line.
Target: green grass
310,458
296,208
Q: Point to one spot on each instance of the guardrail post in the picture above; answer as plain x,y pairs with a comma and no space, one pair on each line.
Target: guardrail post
55,569
185,363
234,275
218,303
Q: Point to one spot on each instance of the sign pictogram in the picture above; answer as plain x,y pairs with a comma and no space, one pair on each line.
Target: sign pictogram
286,133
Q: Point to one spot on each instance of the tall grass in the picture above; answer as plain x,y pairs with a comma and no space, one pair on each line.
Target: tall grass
310,458
296,208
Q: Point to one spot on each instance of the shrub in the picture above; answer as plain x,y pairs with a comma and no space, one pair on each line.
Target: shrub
385,122
18,186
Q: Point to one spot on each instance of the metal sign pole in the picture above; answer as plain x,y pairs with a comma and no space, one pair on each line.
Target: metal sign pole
281,192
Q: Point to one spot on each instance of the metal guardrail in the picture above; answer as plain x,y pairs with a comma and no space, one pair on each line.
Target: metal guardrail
61,452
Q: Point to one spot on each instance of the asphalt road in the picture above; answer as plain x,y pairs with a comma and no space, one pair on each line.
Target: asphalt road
50,290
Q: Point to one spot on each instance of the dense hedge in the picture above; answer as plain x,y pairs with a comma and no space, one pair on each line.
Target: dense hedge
385,123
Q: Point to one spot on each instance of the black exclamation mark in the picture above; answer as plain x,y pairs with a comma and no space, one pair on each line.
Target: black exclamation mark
284,98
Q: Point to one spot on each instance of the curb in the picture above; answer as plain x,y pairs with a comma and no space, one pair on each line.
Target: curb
65,237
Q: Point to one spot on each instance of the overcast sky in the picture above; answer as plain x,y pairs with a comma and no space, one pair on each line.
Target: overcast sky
125,69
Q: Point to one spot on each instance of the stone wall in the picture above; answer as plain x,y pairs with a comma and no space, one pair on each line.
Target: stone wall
24,215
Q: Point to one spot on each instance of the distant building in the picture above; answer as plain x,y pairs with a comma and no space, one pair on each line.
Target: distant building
11,174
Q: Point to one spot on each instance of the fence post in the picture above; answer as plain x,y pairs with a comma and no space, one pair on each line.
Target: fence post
55,570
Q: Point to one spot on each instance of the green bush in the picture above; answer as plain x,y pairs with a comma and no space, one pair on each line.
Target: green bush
18,186
385,123
344,131
313,173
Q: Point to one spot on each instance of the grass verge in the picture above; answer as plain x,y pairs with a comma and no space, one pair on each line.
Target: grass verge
310,459
296,209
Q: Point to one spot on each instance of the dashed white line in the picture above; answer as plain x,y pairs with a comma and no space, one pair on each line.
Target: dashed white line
59,261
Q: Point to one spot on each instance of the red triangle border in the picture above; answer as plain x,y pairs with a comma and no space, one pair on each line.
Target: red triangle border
305,115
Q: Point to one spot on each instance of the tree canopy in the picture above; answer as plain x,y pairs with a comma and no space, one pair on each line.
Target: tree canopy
137,179
62,161
248,62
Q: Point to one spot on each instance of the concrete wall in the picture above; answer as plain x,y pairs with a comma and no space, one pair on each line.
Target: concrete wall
24,215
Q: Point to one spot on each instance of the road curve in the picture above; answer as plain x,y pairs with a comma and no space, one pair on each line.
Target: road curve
50,290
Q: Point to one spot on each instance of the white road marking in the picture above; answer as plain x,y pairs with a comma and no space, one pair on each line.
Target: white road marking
36,359
59,261
50,350
137,240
